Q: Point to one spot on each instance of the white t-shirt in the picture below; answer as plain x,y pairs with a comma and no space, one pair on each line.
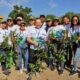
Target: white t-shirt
3,34
9,29
21,34
74,31
49,31
67,26
15,27
36,34
43,26
29,28
56,29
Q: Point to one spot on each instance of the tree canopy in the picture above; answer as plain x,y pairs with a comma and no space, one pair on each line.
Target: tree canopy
25,13
20,11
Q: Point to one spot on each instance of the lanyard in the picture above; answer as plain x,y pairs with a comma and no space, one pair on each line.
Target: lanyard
38,33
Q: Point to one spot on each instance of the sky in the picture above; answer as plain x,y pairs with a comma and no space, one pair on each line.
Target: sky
56,7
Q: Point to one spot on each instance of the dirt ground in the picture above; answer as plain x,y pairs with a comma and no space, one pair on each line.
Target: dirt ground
45,75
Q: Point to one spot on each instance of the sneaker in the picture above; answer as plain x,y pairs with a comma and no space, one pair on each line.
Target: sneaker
71,67
52,67
79,75
73,72
21,71
7,72
29,76
60,72
17,68
37,74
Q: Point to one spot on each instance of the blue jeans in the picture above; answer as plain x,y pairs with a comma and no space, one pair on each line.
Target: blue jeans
23,55
77,55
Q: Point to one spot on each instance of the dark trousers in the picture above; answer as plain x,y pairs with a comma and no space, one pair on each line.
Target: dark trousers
69,54
32,59
50,55
3,66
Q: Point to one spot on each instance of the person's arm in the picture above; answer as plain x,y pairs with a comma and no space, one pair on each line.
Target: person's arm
12,38
15,45
65,35
9,41
70,38
31,42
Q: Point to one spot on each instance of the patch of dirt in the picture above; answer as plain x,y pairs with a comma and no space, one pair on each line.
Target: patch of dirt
45,75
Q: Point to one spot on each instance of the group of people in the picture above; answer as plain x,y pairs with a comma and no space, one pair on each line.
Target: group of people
26,40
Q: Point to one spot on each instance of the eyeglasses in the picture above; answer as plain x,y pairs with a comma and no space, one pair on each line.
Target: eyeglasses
22,25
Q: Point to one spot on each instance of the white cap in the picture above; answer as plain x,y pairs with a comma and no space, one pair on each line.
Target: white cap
20,18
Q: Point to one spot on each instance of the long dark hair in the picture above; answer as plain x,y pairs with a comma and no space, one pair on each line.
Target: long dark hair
47,27
72,25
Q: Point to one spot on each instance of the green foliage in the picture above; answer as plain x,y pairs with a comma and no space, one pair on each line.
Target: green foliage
20,10
59,48
50,16
7,53
41,55
69,14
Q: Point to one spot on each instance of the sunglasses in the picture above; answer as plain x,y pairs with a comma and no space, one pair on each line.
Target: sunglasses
75,20
18,20
9,21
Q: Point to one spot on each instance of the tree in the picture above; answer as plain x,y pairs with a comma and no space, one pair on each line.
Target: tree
50,16
20,11
70,14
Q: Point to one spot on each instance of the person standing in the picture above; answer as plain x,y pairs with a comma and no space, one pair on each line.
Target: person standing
21,46
67,25
74,34
42,18
55,34
4,34
34,37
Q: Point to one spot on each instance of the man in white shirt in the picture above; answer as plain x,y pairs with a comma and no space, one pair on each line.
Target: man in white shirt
33,38
42,18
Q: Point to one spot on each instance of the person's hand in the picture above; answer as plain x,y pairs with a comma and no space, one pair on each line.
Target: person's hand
78,38
0,44
26,46
57,39
16,50
36,44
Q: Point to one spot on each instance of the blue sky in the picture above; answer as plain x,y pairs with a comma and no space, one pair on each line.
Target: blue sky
56,7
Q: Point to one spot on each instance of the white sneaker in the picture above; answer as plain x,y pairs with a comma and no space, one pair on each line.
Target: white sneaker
21,71
29,76
37,74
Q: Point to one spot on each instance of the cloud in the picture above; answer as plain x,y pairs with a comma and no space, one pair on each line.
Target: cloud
52,4
11,3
